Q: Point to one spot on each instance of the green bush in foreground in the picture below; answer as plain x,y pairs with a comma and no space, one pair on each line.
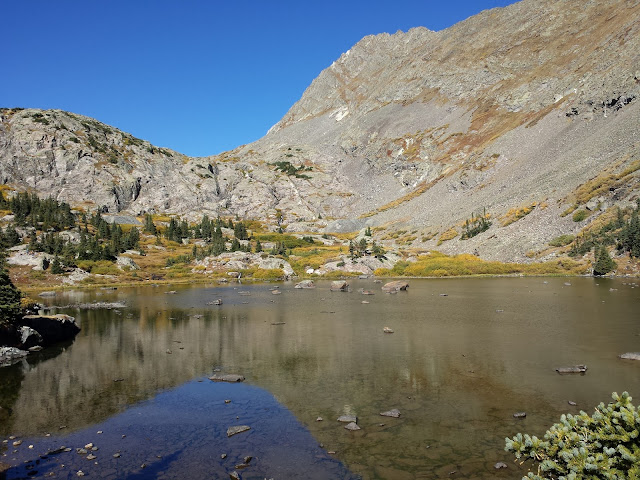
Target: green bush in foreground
603,446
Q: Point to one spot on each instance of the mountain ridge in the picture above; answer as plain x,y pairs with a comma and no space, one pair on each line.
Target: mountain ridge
415,131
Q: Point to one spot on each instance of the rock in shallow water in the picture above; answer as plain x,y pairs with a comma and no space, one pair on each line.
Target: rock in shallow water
348,419
395,413
229,377
231,431
353,426
572,369
630,356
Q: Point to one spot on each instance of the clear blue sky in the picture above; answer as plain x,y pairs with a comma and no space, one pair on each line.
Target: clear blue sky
197,76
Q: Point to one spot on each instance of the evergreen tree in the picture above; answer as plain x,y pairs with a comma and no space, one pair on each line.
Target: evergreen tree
367,232
604,264
149,226
9,295
240,231
56,266
258,246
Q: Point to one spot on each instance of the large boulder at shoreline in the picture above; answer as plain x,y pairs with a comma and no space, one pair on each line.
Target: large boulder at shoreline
52,328
29,337
11,355
395,286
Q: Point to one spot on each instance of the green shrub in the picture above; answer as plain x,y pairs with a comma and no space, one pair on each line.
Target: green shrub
580,215
561,241
580,447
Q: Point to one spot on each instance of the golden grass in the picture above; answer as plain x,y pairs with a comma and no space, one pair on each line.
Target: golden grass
515,214
440,265
448,235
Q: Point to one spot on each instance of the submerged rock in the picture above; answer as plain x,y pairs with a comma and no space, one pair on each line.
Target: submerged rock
387,330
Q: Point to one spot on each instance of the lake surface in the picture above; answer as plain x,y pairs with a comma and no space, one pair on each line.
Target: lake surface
465,355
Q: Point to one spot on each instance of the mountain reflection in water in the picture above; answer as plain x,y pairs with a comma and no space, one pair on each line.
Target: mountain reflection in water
457,366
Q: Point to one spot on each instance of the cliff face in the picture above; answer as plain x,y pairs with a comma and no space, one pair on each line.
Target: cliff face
412,131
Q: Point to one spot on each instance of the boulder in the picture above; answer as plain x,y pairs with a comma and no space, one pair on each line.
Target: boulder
231,431
348,419
29,337
306,284
229,377
339,286
11,355
352,426
573,369
52,328
630,356
394,413
395,286
126,262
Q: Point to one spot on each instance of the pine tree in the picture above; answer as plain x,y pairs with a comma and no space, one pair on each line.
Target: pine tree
258,246
149,226
56,267
604,264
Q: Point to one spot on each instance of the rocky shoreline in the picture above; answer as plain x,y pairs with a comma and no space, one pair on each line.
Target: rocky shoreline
32,333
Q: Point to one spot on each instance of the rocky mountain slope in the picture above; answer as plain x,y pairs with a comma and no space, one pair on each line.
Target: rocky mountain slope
525,112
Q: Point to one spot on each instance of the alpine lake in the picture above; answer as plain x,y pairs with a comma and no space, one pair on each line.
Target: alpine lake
132,391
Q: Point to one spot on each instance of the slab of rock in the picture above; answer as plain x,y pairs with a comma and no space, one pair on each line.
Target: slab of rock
348,419
52,328
630,356
500,465
395,413
47,294
231,431
339,286
572,369
353,426
387,330
227,377
11,355
29,337
395,286
520,415
305,284
126,262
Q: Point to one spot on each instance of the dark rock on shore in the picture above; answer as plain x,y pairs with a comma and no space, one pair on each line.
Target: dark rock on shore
52,328
29,337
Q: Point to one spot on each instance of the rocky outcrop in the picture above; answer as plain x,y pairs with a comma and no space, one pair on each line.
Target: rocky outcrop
52,328
234,261
11,355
